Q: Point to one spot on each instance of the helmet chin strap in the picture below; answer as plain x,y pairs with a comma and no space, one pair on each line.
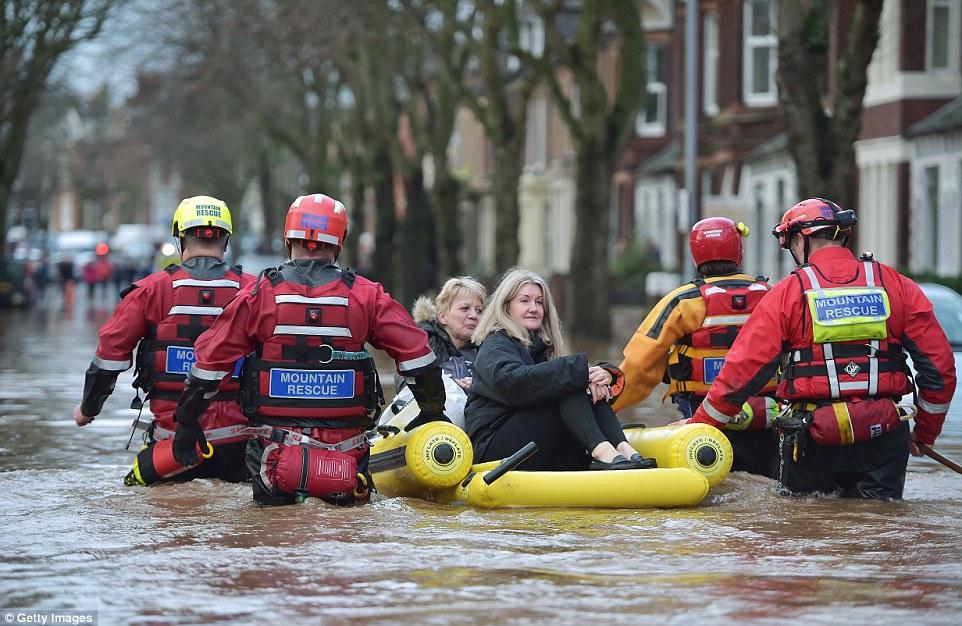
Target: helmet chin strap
805,248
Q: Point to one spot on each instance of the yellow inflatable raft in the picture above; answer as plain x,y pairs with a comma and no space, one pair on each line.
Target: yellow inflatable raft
698,447
623,489
434,462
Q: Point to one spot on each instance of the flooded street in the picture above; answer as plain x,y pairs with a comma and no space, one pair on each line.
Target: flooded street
73,537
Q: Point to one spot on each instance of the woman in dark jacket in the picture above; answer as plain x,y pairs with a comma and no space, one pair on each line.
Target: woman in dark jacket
525,389
449,322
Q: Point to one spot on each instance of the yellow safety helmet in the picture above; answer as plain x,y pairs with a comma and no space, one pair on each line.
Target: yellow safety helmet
200,211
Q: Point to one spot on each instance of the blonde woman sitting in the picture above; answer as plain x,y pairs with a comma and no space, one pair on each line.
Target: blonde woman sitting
526,389
449,322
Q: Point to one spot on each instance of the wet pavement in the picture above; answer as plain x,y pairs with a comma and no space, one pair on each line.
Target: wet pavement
73,537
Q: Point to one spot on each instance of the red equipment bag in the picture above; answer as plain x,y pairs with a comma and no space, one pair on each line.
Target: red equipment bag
854,421
303,470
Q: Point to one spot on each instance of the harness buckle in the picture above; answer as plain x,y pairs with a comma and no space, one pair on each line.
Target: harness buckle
329,353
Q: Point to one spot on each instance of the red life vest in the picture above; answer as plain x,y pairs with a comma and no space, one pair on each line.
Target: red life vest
311,371
697,358
166,354
870,366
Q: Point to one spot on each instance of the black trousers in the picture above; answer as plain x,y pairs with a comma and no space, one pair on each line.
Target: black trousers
873,469
565,431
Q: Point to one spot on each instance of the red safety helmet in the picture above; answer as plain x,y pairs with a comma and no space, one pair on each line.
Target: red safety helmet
316,217
812,215
717,239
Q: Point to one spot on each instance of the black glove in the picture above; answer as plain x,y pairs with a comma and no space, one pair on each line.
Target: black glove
188,440
98,385
428,391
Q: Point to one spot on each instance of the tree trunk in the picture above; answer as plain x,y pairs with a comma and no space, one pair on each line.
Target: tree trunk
822,143
505,182
445,194
272,212
385,225
4,197
590,290
415,260
355,210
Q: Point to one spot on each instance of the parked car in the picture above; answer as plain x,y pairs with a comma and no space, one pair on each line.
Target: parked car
16,283
948,311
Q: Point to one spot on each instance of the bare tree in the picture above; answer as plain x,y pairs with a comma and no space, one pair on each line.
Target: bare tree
487,29
34,35
434,98
823,120
599,130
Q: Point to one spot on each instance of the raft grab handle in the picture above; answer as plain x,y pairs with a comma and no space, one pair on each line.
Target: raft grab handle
511,462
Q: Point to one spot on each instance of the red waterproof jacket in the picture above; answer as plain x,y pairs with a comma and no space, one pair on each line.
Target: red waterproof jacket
299,315
146,306
779,332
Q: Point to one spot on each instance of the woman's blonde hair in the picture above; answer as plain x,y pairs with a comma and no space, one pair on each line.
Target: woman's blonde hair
457,287
495,316
424,310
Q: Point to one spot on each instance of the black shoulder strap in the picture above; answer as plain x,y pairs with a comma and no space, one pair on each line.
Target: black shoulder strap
271,274
348,275
238,268
172,268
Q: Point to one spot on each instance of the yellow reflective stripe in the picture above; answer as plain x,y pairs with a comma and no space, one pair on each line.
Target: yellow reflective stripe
845,433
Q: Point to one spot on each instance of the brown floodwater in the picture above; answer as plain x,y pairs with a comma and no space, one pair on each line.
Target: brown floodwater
73,537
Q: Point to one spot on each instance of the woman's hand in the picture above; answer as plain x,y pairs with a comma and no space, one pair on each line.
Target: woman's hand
599,392
464,383
598,376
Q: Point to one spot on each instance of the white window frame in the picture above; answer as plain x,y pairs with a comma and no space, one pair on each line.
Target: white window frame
659,90
750,43
709,88
952,40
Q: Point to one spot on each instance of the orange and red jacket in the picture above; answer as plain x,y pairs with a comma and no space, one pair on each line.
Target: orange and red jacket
688,334
297,329
780,332
159,307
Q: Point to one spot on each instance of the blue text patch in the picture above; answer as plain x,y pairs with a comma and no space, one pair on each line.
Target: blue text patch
839,307
312,384
180,360
713,365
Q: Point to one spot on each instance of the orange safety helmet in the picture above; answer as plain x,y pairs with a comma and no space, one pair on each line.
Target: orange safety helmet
717,239
812,215
316,217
